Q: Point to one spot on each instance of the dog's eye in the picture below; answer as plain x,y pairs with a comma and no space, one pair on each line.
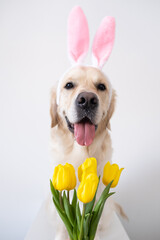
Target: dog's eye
69,85
101,87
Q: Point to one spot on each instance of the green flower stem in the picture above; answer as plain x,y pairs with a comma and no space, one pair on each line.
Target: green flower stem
82,220
68,195
60,199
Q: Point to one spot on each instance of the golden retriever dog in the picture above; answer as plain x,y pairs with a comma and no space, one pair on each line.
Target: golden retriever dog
83,104
80,124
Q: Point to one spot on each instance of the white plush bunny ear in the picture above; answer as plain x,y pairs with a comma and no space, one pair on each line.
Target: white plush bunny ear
78,35
103,41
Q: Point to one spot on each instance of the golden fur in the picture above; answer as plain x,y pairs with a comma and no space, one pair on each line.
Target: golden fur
85,78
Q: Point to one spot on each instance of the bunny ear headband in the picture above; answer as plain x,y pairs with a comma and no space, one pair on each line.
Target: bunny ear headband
78,40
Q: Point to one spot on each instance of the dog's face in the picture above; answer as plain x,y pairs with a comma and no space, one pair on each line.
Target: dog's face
84,102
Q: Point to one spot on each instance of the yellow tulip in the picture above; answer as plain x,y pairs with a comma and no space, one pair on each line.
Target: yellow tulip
111,172
89,166
87,188
64,177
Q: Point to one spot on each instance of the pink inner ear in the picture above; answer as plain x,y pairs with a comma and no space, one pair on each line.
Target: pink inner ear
78,34
104,40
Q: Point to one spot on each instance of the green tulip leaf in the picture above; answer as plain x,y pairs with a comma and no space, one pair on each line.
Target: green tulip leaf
96,217
87,224
89,206
73,211
78,216
78,232
86,238
64,219
68,209
95,221
75,237
74,200
103,196
55,194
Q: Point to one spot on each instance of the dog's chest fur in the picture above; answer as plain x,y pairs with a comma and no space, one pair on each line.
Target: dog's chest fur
65,149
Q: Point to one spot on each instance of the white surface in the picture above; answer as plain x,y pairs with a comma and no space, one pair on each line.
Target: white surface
43,230
32,57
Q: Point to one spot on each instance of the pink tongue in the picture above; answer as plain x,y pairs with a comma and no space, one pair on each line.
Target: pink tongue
84,133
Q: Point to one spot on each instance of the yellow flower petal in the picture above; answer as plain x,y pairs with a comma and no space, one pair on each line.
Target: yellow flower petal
111,172
116,180
64,177
89,166
87,188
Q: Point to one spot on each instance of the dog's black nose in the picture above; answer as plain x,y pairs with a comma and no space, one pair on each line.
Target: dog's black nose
87,100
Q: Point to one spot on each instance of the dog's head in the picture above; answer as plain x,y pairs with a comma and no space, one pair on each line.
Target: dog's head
86,103
85,99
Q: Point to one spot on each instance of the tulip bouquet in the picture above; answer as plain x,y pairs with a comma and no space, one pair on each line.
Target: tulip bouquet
82,225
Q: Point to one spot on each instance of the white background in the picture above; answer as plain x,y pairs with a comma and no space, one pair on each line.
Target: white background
33,56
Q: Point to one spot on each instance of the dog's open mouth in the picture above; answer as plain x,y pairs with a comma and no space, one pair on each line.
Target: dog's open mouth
84,131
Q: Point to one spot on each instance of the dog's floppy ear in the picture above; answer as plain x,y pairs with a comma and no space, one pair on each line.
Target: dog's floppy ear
111,109
53,108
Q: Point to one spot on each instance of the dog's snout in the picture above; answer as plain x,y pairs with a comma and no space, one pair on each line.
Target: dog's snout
87,100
